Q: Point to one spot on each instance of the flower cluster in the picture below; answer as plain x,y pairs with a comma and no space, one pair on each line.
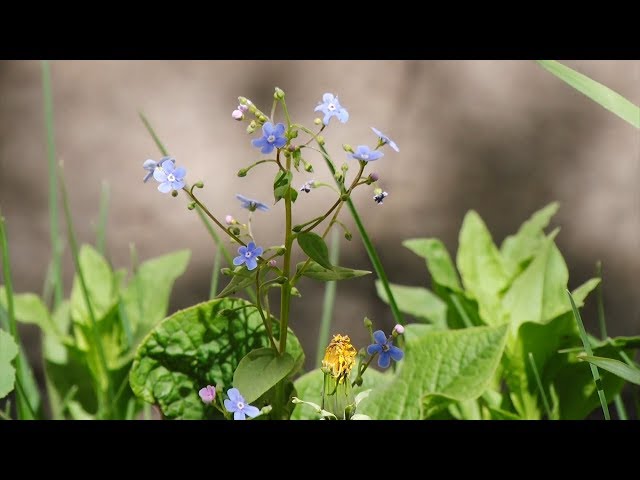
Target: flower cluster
235,403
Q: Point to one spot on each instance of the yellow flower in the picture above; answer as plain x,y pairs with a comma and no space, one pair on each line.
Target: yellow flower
339,357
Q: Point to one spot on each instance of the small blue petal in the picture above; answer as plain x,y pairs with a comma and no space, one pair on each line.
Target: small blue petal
268,148
326,118
242,198
279,130
280,142
384,360
238,260
251,246
165,187
373,349
393,145
259,142
177,185
251,411
328,98
169,167
242,250
149,165
230,406
252,263
159,175
268,129
257,251
343,115
262,206
396,353
234,395
380,337
147,177
179,173
239,415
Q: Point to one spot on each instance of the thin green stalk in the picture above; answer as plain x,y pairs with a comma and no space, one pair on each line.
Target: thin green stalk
587,348
215,275
461,311
371,251
22,402
101,230
23,394
285,297
85,292
328,302
54,221
545,401
617,400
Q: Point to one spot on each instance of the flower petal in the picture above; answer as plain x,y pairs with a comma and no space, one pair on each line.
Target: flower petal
147,177
393,145
268,148
262,206
374,348
319,108
239,415
280,142
234,395
380,337
375,156
328,98
396,353
177,185
230,406
251,411
242,198
377,132
239,260
268,129
149,165
251,246
259,142
384,360
180,173
169,167
252,263
278,131
159,175
167,159
258,251
327,117
165,187
343,115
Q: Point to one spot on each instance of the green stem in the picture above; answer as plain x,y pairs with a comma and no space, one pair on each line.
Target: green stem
215,275
371,251
54,221
85,291
102,219
328,302
601,319
545,401
285,297
22,402
265,320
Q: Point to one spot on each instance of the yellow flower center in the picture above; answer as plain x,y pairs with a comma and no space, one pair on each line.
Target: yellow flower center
339,357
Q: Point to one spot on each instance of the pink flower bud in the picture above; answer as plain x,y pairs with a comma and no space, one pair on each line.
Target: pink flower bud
243,108
230,220
374,176
398,329
207,394
237,115
272,263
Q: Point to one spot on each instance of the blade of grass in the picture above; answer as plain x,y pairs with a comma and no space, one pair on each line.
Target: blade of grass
371,251
622,370
22,403
617,400
612,101
54,220
104,380
101,230
328,301
215,275
214,235
545,401
587,348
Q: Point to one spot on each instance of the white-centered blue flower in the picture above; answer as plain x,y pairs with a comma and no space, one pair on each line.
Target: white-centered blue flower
151,165
385,139
365,154
331,107
169,177
237,405
248,255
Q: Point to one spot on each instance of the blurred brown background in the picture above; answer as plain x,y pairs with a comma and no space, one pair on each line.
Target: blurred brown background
502,137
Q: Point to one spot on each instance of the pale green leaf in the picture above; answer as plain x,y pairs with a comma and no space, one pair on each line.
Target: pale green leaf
416,301
438,261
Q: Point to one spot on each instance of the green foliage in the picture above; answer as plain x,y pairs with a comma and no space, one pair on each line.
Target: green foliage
260,370
521,285
8,351
318,272
622,370
313,245
612,101
204,345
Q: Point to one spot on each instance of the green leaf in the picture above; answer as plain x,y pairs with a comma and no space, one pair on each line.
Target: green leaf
614,366
538,294
518,249
581,293
480,265
309,389
438,261
313,245
102,286
201,345
260,370
318,272
417,301
241,279
456,365
146,298
28,308
8,351
282,186
612,101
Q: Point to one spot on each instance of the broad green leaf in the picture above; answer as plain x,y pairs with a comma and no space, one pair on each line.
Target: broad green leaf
28,308
614,366
480,265
518,249
146,298
282,186
102,286
8,351
438,261
538,294
201,345
453,364
416,301
313,245
260,370
612,101
542,341
309,389
317,272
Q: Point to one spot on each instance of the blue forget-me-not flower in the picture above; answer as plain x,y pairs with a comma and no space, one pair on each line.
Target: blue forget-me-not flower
385,349
365,154
151,165
236,404
385,140
248,255
271,137
170,177
331,107
250,204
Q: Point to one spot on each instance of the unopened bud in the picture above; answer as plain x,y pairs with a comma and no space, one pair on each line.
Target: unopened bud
374,177
242,172
348,235
226,271
174,193
199,184
243,108
292,147
278,94
344,197
262,118
344,167
272,263
230,220
317,121
367,322
295,292
397,330
237,115
308,167
281,251
320,140
191,206
235,230
347,148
